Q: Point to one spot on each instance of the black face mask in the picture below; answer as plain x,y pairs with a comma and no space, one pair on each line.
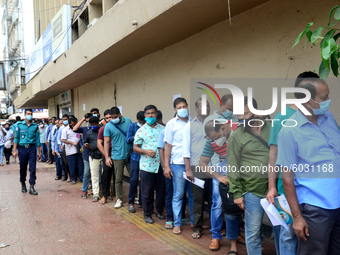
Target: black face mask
246,121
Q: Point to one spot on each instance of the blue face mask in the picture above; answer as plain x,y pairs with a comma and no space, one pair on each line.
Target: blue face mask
115,121
183,113
95,115
138,124
95,128
65,122
150,121
227,114
324,106
88,125
29,117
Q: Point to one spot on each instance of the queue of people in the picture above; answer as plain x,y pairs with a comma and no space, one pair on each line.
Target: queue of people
163,161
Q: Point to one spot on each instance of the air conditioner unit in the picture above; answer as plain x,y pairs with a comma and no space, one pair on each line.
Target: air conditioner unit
92,22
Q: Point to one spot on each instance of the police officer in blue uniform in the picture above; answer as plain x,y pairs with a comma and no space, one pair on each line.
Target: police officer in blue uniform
27,139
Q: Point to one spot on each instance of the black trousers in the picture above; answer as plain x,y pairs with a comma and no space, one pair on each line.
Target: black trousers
149,182
67,169
8,153
200,196
324,231
106,179
49,150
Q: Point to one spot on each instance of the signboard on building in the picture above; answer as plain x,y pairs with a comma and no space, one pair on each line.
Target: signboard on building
65,99
56,39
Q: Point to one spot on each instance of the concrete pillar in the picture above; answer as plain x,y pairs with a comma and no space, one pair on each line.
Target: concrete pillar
107,4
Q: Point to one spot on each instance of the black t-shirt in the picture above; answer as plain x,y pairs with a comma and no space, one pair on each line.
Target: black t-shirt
91,138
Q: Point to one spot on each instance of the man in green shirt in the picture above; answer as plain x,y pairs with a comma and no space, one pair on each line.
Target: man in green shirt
27,139
247,153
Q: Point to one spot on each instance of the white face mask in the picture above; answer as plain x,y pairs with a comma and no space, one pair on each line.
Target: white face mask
221,141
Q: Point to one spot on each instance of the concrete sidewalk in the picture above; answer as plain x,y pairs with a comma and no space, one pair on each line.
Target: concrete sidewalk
58,221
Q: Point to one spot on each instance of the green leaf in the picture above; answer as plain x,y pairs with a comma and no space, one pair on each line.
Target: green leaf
336,36
334,22
323,72
297,40
316,35
328,48
337,14
335,63
328,35
331,12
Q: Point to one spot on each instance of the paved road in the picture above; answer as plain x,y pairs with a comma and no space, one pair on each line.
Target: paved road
58,221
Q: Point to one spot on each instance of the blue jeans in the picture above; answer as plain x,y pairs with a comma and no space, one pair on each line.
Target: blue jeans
76,165
2,147
253,223
216,219
169,192
134,165
87,176
233,226
285,242
43,151
180,185
62,165
58,167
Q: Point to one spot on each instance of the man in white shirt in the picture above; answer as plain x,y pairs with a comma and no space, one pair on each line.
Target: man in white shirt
73,154
193,144
174,163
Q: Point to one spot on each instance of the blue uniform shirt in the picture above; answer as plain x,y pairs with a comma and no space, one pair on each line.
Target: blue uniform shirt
25,135
132,129
313,153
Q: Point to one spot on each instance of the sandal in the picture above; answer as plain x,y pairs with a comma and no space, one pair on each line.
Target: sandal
95,199
84,196
169,225
241,240
69,180
196,235
232,252
206,227
186,221
177,230
103,201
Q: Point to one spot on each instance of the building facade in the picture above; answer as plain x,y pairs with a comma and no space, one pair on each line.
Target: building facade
133,53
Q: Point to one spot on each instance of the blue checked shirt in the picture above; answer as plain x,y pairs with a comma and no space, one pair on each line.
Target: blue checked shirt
132,129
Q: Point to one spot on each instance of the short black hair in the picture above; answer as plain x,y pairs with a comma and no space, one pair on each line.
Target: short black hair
94,110
39,121
28,110
246,102
140,116
72,119
88,115
150,106
210,127
305,75
114,110
72,116
159,115
54,118
179,100
108,111
225,98
66,116
94,119
308,78
310,87
17,118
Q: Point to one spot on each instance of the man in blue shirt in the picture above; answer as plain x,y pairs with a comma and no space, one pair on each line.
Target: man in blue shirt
60,144
27,139
48,140
134,161
116,130
309,156
285,241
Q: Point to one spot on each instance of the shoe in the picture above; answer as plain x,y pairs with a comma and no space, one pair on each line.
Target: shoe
73,183
7,162
148,219
214,245
23,187
119,203
32,190
159,215
57,178
64,179
84,195
131,209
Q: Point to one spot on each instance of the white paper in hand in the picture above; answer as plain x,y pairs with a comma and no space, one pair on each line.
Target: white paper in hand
197,182
273,214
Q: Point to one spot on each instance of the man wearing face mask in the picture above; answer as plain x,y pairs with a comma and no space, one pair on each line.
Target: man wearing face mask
43,131
145,144
247,153
193,144
134,162
174,166
9,138
116,131
58,151
27,138
95,156
62,147
313,192
225,112
87,172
